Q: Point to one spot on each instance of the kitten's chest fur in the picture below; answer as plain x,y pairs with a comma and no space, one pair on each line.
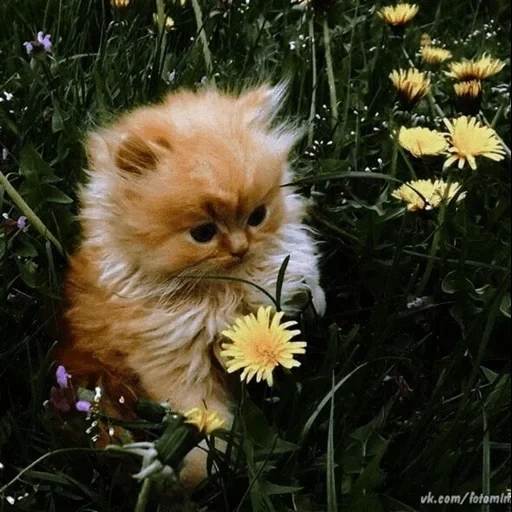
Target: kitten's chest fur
178,340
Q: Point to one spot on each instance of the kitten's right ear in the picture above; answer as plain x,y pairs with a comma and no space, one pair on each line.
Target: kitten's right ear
134,155
130,153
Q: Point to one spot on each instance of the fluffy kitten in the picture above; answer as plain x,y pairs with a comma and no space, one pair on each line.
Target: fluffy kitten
187,188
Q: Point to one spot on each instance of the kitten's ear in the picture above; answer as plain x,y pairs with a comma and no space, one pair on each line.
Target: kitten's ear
135,155
261,105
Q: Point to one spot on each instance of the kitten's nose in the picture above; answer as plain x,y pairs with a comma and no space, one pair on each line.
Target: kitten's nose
238,245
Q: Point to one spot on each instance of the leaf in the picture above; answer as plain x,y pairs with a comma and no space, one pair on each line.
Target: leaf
324,402
54,195
343,175
505,305
456,282
271,489
280,281
332,503
34,168
25,249
261,433
29,272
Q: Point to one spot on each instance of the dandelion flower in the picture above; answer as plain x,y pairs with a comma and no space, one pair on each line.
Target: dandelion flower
119,4
478,69
422,141
260,344
469,96
169,23
426,194
426,40
205,420
410,84
398,15
433,55
473,88
468,139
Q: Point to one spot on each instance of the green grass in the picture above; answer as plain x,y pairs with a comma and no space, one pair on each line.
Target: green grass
391,402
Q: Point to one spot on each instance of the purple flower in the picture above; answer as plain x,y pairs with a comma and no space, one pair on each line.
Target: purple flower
41,45
83,406
44,41
62,377
29,47
22,222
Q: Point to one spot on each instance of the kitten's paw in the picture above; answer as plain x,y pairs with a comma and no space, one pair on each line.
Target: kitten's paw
299,302
318,298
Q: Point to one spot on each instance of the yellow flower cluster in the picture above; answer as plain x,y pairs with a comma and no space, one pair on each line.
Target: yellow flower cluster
476,69
466,139
410,84
433,55
426,194
398,15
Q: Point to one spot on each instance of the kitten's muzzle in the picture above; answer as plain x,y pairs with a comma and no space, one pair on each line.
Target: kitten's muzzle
238,245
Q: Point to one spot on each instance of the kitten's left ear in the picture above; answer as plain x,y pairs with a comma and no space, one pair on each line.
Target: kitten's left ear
261,105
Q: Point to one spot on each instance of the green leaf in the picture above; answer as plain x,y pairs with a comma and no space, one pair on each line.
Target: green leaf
29,273
34,168
271,489
332,503
505,305
457,282
54,195
344,175
25,249
280,281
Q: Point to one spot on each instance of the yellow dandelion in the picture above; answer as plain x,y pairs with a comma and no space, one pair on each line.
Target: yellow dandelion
478,69
433,55
169,23
410,84
426,194
425,40
260,344
469,96
471,89
205,420
398,15
422,141
119,4
468,139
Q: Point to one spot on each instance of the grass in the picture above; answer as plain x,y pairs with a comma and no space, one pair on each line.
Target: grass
396,396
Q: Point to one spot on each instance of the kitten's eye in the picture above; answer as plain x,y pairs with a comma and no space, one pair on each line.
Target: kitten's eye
257,216
205,233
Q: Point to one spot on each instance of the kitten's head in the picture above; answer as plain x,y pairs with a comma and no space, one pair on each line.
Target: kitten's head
191,185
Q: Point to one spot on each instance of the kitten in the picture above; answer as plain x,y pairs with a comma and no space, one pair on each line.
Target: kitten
186,188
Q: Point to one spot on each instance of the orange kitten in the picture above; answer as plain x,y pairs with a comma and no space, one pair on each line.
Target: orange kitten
179,190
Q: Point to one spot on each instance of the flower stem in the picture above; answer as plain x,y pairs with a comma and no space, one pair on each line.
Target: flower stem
204,40
142,500
312,111
330,73
29,213
436,109
160,15
505,147
394,157
433,253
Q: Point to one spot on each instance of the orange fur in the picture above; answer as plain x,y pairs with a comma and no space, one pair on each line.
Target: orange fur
136,304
